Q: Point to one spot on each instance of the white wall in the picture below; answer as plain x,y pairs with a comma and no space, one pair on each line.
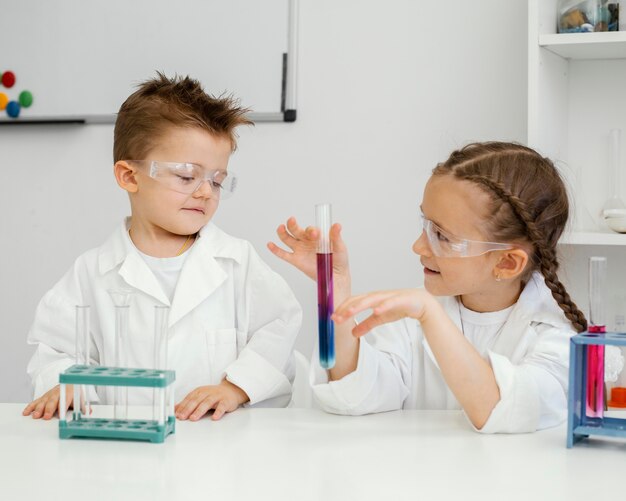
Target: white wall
385,90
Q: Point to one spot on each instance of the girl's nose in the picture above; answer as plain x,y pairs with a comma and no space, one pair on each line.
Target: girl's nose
421,246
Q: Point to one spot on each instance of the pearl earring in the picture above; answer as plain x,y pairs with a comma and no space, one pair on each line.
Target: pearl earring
498,279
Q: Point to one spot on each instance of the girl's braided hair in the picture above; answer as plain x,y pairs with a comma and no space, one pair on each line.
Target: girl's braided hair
528,204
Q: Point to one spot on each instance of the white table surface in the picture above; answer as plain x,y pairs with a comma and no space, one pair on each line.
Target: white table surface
306,454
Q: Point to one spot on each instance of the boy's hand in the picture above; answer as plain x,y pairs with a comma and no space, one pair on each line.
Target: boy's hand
303,244
224,397
46,405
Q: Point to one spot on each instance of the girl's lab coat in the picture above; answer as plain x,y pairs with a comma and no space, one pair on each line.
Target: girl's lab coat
230,316
397,369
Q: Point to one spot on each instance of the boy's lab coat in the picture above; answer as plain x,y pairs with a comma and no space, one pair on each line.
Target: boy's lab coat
397,369
231,316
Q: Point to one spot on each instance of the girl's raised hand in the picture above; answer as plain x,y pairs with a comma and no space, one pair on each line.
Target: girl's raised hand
386,306
303,245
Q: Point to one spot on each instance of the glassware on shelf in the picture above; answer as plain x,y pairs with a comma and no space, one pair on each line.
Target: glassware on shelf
582,16
614,209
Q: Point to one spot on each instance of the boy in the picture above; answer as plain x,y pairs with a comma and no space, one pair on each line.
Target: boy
232,321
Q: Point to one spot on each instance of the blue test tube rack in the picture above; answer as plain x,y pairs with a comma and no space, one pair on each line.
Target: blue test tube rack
153,430
579,425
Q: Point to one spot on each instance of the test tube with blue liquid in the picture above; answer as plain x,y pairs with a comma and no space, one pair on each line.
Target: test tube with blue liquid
597,325
325,308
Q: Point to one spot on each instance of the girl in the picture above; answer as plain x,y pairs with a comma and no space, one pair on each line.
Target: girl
490,331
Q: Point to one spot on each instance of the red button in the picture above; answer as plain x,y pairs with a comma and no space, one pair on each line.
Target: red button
8,79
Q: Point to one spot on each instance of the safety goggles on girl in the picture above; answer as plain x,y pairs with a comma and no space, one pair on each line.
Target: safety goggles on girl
444,244
187,178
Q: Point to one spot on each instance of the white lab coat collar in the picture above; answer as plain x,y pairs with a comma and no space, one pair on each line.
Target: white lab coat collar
535,305
200,276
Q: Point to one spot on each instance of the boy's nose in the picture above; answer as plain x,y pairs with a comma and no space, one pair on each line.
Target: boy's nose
205,190
421,246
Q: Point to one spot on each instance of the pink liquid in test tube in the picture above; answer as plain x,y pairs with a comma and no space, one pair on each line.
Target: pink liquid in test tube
597,324
325,307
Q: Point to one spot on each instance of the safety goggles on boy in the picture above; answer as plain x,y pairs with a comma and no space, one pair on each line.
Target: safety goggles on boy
444,244
187,178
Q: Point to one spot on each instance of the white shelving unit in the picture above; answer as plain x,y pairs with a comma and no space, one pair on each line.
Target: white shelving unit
593,238
607,45
576,95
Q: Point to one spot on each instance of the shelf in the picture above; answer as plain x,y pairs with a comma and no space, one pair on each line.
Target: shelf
603,45
593,238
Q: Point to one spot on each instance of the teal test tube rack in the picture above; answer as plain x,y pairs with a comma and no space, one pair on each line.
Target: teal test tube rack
153,430
579,425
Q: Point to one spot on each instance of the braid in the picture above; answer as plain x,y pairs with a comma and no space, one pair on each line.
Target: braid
546,256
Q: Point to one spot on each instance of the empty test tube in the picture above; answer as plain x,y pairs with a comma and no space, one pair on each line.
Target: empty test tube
597,324
325,307
82,358
121,300
161,315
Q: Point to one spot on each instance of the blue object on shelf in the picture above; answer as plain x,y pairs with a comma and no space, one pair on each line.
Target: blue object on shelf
579,426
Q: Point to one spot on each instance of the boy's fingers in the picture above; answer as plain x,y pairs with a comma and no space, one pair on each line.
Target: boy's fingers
38,409
185,408
28,409
203,407
220,410
50,408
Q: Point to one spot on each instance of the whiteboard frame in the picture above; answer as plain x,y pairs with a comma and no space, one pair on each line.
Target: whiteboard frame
287,114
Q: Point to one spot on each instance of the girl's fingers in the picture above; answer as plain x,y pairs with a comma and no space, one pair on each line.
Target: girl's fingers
294,228
357,304
280,253
286,237
335,238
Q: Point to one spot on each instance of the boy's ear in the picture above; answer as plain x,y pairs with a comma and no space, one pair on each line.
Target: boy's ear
125,175
511,264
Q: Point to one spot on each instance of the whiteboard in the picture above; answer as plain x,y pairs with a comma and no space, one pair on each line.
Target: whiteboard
83,58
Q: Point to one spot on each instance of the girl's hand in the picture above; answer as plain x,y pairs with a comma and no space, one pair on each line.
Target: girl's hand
224,397
386,306
303,245
47,404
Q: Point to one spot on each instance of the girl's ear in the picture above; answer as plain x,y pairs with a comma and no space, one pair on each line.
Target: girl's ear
511,264
125,175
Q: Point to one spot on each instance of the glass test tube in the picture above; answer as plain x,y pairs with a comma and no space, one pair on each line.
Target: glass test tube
597,324
325,308
121,299
161,315
82,358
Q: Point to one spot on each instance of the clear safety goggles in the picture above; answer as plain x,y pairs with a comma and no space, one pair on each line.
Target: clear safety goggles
444,244
187,178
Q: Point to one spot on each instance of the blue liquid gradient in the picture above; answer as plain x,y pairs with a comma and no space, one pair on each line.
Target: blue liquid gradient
325,309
